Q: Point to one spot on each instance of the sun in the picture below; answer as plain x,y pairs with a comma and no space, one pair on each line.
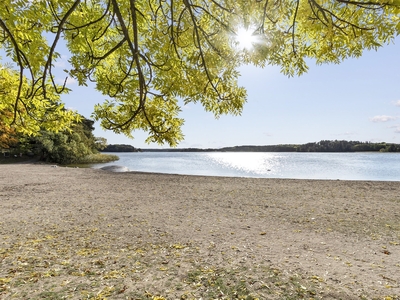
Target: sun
246,38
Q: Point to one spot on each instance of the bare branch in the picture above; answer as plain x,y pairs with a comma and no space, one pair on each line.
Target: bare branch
293,27
47,67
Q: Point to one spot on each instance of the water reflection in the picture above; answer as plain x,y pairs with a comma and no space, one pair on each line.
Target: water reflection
251,163
345,166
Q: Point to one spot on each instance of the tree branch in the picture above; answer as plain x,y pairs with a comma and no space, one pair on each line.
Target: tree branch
47,67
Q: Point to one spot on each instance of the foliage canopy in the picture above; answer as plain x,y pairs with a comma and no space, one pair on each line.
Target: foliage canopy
8,136
144,55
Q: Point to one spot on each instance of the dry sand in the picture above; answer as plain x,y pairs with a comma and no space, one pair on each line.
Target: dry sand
70,233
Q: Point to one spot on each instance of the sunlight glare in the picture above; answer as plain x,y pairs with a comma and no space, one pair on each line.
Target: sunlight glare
256,163
246,38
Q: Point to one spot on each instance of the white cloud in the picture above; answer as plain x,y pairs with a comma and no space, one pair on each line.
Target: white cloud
396,103
267,134
61,62
396,128
70,81
70,108
383,118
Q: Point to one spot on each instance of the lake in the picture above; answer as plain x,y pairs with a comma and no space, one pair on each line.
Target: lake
343,166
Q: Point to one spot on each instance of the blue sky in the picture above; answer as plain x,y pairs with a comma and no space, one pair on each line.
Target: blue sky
358,99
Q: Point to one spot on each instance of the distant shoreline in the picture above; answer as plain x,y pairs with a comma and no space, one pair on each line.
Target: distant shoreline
322,146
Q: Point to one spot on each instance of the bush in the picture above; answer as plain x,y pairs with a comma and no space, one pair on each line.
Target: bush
97,158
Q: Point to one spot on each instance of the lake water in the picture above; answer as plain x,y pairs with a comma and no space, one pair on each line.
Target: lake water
343,166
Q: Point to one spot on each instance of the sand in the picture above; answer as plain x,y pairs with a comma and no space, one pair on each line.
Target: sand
68,233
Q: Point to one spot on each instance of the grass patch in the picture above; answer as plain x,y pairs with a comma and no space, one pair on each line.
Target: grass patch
18,159
87,160
98,158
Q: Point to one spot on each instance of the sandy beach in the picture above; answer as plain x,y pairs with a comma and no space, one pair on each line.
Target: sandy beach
68,233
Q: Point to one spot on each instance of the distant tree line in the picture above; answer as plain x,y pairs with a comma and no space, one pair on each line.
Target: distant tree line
349,146
322,146
120,148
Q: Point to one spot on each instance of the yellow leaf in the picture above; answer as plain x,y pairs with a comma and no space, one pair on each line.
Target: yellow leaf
178,246
5,280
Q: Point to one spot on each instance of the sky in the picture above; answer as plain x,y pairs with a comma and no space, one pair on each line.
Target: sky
356,100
